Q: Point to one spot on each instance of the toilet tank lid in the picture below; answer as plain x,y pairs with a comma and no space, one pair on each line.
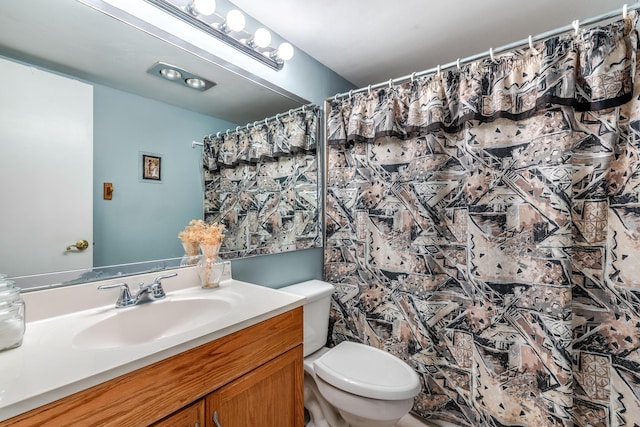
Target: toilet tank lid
311,289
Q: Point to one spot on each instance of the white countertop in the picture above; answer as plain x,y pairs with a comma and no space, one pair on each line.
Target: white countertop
48,367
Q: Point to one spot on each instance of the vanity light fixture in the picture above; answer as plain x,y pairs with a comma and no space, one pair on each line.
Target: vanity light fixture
285,51
229,29
235,22
180,76
202,7
261,38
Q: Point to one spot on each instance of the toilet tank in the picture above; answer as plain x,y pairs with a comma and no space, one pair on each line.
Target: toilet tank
316,312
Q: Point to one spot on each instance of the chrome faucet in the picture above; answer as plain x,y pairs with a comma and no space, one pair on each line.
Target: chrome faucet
150,292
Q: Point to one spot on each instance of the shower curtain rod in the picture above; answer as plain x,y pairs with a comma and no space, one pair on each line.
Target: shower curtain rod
293,110
491,52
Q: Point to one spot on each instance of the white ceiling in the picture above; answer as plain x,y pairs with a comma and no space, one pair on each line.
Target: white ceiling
371,41
365,41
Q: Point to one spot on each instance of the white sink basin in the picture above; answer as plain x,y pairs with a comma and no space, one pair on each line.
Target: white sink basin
149,322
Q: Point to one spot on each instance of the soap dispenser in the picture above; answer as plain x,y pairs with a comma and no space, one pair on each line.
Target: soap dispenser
12,314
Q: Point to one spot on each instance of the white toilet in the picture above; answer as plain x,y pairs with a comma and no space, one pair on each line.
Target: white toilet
350,384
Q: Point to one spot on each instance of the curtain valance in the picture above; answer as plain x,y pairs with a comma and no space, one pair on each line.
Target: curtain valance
291,133
590,71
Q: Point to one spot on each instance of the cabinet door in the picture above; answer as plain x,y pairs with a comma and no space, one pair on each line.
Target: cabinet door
191,416
269,396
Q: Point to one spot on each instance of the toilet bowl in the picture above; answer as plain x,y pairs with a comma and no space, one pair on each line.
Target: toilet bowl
351,384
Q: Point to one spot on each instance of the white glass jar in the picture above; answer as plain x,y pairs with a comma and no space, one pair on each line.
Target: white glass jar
12,315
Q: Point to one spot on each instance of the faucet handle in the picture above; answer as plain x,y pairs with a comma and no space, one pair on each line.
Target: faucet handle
165,276
125,299
157,292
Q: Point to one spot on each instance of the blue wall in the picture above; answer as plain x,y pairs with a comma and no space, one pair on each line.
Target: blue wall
143,219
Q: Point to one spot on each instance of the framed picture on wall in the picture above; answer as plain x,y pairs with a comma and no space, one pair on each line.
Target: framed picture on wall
151,166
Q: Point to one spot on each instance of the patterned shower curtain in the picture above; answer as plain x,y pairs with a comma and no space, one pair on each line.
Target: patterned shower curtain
261,182
484,225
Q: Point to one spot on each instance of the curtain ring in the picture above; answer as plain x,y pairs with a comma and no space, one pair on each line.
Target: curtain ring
278,116
413,77
438,70
237,128
576,26
491,54
369,90
390,83
266,123
350,93
303,108
227,132
335,98
531,46
624,11
218,135
458,64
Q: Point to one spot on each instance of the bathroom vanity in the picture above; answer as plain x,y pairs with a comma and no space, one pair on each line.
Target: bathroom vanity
243,368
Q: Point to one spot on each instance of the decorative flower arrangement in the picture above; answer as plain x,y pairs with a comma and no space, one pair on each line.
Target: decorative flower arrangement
201,233
208,237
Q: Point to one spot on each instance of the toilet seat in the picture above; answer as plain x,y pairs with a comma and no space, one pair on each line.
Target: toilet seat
368,372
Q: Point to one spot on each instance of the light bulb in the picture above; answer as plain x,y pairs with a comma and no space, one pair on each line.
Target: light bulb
262,37
170,73
204,7
235,20
196,83
285,51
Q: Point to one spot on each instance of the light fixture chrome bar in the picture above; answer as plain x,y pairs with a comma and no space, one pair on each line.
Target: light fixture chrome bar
220,35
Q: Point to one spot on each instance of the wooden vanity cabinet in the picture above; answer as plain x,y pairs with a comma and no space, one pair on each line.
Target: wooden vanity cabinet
264,397
252,377
191,416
